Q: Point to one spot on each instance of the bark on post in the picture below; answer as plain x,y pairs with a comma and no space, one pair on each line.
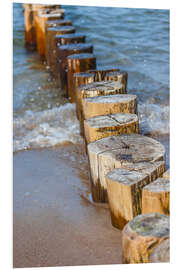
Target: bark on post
161,253
142,235
155,197
103,88
54,23
51,48
121,76
78,63
117,152
103,126
82,78
102,105
62,53
124,189
167,174
40,22
100,72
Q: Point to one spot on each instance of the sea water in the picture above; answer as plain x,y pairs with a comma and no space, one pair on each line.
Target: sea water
135,40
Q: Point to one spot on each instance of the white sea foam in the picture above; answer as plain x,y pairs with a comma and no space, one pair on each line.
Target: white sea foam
46,128
154,118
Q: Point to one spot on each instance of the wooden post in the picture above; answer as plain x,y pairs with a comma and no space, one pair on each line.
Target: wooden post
142,235
103,88
161,253
51,48
155,197
167,174
100,72
62,53
82,78
40,22
102,105
78,63
102,126
121,76
124,189
69,38
29,27
54,23
115,152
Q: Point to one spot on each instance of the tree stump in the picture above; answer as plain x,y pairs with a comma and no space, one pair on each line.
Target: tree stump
124,189
121,76
62,53
117,152
54,23
82,78
78,63
155,197
142,235
102,126
100,72
51,48
92,90
167,174
40,22
161,253
102,105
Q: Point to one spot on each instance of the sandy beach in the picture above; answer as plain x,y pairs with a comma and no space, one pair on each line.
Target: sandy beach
54,222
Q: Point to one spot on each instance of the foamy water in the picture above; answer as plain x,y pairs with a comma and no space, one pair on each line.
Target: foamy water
46,128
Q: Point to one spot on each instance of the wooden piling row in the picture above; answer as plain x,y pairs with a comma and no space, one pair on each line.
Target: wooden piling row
127,170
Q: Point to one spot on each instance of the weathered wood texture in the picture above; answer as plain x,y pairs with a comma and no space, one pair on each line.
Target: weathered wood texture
62,53
78,63
142,235
116,152
102,105
82,78
161,253
124,189
51,48
40,22
69,38
121,76
29,27
54,23
167,174
155,197
100,72
92,90
102,126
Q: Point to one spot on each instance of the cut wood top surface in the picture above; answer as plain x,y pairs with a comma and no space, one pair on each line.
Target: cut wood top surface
71,35
160,185
125,177
81,56
101,86
55,23
153,224
75,46
129,148
111,99
61,28
111,120
53,15
83,74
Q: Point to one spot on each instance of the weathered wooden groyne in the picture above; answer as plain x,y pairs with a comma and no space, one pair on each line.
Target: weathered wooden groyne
127,170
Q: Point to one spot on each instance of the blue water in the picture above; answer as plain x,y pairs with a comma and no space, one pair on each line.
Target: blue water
136,40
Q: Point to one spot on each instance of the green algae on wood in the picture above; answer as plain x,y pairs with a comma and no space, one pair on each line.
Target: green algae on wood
142,235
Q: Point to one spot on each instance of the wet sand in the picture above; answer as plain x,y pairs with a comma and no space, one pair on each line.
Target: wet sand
54,223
